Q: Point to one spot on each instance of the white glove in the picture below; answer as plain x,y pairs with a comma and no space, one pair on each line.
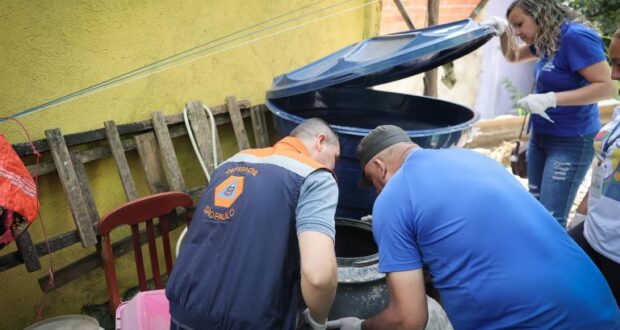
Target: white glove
366,218
314,324
497,23
345,323
538,103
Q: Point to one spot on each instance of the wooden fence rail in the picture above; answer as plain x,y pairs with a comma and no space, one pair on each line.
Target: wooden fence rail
152,139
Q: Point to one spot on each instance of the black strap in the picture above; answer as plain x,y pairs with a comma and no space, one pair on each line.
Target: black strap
609,141
522,127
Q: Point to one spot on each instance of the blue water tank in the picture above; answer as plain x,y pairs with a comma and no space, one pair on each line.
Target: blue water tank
335,88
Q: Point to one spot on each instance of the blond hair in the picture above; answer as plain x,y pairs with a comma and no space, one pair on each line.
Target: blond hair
548,16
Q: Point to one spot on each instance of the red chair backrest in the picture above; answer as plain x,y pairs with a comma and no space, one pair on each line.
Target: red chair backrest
132,213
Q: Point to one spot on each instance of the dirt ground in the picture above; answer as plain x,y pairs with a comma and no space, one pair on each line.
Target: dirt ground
501,154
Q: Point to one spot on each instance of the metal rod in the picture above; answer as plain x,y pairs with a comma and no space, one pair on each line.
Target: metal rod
478,9
404,14
430,77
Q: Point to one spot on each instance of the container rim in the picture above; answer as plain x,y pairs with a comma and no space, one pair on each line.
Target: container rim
358,269
356,261
364,131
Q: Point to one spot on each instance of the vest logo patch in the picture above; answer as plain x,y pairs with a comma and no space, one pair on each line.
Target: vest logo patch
227,192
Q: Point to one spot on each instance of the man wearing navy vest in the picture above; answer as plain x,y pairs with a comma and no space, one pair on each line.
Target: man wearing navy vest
262,235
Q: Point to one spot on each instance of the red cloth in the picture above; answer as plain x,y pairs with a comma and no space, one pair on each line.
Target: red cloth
18,194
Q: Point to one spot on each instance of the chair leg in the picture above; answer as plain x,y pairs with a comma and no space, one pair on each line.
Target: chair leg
107,257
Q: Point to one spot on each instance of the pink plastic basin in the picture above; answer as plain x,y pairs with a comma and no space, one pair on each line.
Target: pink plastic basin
148,310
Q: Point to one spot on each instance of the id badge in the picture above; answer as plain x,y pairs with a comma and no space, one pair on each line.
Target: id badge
598,176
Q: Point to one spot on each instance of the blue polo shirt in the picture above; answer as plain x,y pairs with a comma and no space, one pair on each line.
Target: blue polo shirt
496,255
580,47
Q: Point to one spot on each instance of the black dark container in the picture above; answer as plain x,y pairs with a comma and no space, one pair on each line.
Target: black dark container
362,291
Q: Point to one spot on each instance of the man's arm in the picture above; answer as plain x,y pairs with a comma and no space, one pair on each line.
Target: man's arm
316,231
407,308
319,277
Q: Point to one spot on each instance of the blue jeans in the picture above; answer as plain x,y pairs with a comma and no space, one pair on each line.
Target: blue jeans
556,166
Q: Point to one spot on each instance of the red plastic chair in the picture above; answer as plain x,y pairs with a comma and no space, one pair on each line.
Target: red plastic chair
132,213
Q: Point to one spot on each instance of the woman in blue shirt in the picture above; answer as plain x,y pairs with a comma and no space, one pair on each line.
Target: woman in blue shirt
571,76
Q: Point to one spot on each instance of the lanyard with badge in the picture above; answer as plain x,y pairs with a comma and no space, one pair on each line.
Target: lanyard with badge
603,165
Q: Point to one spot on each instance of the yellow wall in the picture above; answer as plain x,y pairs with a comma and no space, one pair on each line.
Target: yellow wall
53,48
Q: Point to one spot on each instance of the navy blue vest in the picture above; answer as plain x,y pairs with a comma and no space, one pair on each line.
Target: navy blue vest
239,265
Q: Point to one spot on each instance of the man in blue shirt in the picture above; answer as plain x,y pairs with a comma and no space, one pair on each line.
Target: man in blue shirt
496,255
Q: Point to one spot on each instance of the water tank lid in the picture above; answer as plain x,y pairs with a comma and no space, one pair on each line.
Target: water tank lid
386,58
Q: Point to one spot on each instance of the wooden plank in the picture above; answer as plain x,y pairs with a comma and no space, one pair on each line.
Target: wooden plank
219,111
155,178
10,260
489,133
56,243
201,128
430,83
97,153
474,14
59,242
100,152
71,272
62,241
70,238
259,125
150,158
91,262
84,137
197,192
430,77
24,149
256,129
71,187
28,252
118,153
404,15
237,123
80,171
170,162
